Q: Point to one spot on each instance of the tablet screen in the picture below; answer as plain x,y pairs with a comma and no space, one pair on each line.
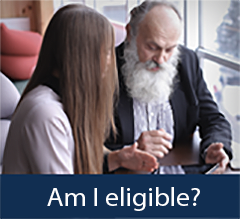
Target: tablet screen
198,169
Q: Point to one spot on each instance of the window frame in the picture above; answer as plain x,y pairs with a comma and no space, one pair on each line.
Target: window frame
204,53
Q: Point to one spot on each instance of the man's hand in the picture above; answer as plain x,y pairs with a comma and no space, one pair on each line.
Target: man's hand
155,142
132,158
216,154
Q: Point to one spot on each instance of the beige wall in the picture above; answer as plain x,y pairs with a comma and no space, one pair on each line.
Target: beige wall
39,12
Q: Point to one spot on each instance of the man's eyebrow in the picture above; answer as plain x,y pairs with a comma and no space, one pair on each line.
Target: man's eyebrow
155,44
171,47
152,43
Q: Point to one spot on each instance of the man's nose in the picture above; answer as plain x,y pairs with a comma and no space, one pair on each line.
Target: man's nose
160,57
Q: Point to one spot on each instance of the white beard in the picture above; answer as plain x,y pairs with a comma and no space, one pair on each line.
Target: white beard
144,85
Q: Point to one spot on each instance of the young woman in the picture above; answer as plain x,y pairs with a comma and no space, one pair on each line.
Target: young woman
65,112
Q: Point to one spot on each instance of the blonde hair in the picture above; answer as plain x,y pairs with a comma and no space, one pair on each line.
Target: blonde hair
75,45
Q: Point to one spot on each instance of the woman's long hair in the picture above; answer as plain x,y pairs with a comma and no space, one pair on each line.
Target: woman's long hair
76,45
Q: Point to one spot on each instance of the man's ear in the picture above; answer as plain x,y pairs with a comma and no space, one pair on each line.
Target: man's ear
128,30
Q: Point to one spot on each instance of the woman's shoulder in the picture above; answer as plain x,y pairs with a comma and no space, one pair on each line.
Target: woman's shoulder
41,94
41,99
41,105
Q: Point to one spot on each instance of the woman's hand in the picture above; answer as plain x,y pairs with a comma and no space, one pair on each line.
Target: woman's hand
132,158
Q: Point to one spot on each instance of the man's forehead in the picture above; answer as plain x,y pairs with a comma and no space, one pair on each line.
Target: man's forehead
160,19
161,16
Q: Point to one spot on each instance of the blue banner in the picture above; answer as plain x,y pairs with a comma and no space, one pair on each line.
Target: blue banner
119,196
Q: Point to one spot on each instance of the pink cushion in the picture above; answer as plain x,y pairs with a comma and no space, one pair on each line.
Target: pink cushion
120,32
16,42
19,52
18,67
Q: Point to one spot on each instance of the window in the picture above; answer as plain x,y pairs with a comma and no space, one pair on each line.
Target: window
219,53
117,11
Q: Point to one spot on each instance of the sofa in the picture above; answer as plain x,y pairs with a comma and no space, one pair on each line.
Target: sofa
19,53
9,97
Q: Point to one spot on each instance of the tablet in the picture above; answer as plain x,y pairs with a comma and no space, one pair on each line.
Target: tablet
200,169
212,169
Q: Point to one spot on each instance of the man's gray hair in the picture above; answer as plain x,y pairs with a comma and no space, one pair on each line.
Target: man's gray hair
138,13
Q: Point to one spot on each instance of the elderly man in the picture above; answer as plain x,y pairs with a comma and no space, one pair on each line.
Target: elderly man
163,96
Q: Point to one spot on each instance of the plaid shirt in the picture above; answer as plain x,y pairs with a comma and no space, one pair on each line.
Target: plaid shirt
152,117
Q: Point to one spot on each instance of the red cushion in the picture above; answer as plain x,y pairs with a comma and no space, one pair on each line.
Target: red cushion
16,42
18,67
19,52
120,32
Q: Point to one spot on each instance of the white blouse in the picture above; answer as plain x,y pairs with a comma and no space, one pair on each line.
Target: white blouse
40,139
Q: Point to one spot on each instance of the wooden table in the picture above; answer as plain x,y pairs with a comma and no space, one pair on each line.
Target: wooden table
183,154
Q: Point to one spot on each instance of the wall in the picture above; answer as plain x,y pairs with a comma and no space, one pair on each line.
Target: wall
39,12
